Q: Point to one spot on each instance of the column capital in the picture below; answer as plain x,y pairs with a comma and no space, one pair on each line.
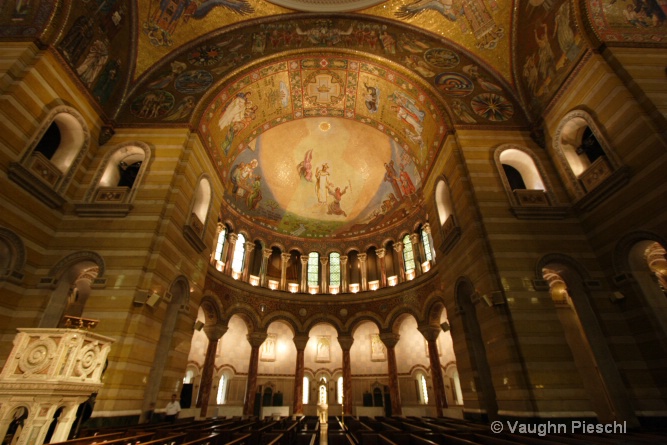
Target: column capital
345,342
304,260
398,246
266,253
215,331
362,257
389,339
414,238
343,259
257,338
249,246
285,256
300,341
324,261
429,332
232,237
426,227
380,252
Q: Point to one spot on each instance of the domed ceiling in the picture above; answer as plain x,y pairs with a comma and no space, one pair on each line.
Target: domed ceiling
371,93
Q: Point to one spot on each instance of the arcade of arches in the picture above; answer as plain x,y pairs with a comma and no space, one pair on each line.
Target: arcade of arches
273,209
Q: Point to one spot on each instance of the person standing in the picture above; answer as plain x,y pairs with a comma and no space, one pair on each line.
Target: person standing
172,409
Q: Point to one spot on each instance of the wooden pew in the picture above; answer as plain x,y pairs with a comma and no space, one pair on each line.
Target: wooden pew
123,440
211,439
87,440
306,439
174,439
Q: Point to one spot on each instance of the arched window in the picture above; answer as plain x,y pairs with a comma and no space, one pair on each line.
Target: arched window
423,389
428,253
526,184
313,269
339,398
334,269
408,254
222,390
57,148
589,166
200,206
220,245
306,390
239,254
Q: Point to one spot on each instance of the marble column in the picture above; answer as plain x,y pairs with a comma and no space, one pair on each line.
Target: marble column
255,339
249,248
415,239
264,270
346,344
300,341
390,339
303,286
231,240
383,268
431,333
213,333
398,247
364,273
343,273
284,260
324,283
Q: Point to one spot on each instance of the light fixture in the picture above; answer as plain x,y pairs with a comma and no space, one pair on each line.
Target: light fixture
253,280
354,288
374,285
273,284
426,266
334,289
410,275
392,280
236,275
293,287
312,289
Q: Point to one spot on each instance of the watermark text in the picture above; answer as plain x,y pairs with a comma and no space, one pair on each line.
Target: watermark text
549,427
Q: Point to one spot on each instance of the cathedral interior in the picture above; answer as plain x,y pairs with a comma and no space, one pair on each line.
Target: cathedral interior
428,208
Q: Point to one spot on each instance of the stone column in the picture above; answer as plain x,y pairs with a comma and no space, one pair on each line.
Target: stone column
383,268
364,273
231,240
256,339
415,239
343,274
249,248
346,344
427,229
213,333
431,333
304,274
300,341
264,270
390,339
324,283
284,259
398,247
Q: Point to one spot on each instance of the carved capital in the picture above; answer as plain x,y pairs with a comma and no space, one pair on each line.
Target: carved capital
429,332
257,338
345,342
389,339
215,331
300,341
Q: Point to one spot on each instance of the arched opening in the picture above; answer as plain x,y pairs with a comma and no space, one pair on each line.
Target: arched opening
200,206
72,292
16,425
